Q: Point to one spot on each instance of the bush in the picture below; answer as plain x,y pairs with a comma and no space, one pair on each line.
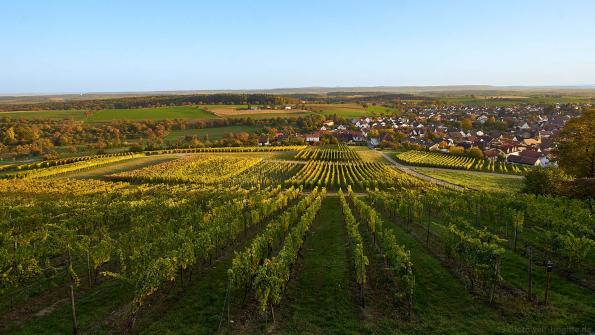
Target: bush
456,150
579,188
545,181
475,152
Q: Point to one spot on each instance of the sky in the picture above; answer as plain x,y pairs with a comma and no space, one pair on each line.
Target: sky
53,46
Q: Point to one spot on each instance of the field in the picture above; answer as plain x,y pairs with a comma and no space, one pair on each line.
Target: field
157,113
203,112
313,240
350,110
508,100
106,115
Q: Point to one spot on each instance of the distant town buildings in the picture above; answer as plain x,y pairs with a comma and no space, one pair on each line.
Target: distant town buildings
516,134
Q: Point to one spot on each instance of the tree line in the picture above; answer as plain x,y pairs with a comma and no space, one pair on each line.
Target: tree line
154,101
21,138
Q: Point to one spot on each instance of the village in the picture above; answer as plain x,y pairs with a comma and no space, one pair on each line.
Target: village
521,135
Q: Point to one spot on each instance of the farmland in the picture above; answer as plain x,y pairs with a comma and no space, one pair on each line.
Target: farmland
282,240
107,115
202,112
350,109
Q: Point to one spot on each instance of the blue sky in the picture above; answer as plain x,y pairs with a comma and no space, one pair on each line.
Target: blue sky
108,45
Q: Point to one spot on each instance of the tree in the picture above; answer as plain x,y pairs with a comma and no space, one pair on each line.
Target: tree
576,146
456,150
9,136
373,133
544,181
466,124
476,152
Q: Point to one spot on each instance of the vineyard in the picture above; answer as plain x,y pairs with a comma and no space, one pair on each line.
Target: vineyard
284,241
66,166
441,160
338,153
359,174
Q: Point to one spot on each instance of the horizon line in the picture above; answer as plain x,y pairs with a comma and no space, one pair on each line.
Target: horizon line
339,88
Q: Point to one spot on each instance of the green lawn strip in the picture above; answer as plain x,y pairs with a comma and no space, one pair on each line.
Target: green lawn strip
320,298
476,181
91,307
195,310
442,303
384,313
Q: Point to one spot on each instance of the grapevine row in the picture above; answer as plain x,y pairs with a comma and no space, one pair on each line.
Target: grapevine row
395,256
360,261
274,274
442,160
331,154
77,166
246,262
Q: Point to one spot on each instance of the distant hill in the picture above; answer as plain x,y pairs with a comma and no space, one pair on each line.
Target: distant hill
428,91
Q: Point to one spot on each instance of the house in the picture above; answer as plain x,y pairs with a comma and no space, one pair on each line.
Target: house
529,157
263,140
350,136
313,137
358,136
491,154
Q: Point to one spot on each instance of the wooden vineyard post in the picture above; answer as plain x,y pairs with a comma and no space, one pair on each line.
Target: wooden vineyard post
428,228
74,323
530,284
548,269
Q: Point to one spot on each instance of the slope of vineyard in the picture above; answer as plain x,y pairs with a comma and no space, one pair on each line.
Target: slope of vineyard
70,166
215,170
361,175
330,153
252,243
227,150
442,160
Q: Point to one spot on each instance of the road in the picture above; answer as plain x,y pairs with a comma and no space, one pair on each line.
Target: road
409,171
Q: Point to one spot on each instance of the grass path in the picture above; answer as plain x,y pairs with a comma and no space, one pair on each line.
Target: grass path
481,181
91,307
195,310
320,298
442,303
